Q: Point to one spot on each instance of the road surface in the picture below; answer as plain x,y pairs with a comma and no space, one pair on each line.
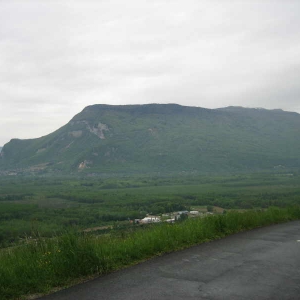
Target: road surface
260,264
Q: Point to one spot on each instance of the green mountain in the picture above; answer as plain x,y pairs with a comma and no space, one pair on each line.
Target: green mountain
162,138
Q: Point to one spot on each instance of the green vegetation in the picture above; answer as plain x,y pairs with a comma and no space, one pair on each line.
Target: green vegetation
52,205
139,139
113,164
38,266
44,221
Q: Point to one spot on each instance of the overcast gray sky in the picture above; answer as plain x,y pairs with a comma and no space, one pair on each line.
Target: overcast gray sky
56,57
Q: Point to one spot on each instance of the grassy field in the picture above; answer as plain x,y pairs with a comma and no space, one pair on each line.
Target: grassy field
39,266
42,221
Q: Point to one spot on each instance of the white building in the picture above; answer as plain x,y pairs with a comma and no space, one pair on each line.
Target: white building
150,219
194,212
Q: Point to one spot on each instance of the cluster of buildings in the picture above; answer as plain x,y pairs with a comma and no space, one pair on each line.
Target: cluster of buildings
169,218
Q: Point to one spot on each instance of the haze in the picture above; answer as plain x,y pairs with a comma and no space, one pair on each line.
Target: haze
56,57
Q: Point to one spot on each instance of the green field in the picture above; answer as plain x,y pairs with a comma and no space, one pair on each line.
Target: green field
42,220
47,205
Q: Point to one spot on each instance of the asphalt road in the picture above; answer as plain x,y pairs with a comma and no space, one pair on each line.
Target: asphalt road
260,264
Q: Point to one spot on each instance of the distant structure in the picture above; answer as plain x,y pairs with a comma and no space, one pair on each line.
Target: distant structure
148,220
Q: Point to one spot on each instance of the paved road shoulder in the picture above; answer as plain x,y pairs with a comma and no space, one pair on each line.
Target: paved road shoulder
259,264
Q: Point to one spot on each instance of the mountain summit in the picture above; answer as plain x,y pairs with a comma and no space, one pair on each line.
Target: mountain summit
162,138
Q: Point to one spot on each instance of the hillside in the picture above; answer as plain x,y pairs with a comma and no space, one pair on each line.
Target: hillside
162,138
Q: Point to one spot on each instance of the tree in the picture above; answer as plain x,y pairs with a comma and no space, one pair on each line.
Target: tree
210,208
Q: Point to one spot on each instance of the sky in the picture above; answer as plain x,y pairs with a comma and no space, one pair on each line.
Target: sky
57,57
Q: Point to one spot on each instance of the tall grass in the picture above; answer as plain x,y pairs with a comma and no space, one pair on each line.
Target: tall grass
39,266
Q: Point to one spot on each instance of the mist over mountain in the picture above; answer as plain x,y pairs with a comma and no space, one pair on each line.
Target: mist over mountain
162,138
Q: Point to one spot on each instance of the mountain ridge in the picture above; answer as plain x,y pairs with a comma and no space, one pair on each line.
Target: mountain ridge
162,138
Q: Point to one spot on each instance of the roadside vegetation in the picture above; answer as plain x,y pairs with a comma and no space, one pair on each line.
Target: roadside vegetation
39,266
43,221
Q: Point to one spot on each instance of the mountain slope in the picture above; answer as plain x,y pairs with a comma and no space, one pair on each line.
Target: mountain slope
162,138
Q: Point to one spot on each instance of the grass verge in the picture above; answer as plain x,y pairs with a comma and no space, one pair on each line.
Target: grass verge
40,266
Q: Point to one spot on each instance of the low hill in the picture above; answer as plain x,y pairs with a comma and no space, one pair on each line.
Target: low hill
162,138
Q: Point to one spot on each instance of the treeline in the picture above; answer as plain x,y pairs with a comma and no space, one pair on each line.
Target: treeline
48,205
244,201
15,197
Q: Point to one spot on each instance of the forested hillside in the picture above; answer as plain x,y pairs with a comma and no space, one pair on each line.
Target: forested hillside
162,138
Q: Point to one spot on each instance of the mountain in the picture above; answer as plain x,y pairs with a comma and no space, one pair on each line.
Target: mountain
162,138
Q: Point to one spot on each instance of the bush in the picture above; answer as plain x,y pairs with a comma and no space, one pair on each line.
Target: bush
42,264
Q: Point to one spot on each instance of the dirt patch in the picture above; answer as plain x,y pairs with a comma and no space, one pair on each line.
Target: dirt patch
97,228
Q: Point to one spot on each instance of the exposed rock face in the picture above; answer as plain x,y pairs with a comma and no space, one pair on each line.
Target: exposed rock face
99,130
84,164
76,134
